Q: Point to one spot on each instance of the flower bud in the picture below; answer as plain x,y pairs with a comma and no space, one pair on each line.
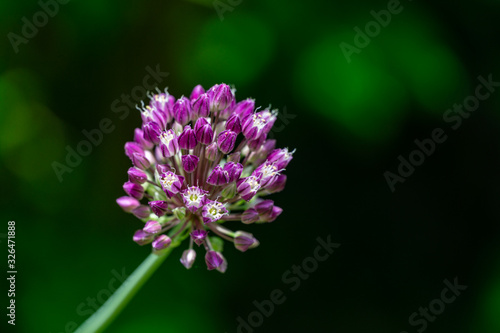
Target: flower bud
127,203
199,236
228,111
140,161
250,216
132,148
179,212
188,258
234,170
223,267
271,216
161,242
141,237
234,124
221,97
264,207
226,141
182,110
244,108
137,176
139,138
189,162
278,185
264,151
211,152
257,143
203,131
213,260
187,139
159,207
151,132
141,212
244,241
197,91
152,227
133,190
218,176
201,106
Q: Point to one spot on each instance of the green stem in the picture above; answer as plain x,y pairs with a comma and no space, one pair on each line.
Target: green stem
100,320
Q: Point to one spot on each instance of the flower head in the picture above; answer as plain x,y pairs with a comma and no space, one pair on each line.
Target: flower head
198,162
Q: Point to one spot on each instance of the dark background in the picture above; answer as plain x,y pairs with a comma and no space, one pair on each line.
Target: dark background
348,121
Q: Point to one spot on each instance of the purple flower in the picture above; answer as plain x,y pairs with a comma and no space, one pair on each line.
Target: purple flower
253,126
161,242
244,108
213,211
133,190
189,162
171,183
213,260
128,203
188,257
159,207
169,145
234,124
194,198
267,173
199,236
140,161
187,139
221,97
248,187
272,215
197,91
163,103
278,185
201,106
141,237
151,132
234,170
281,157
187,169
139,139
152,227
211,152
203,131
250,216
137,176
182,110
244,241
226,141
132,148
141,212
218,176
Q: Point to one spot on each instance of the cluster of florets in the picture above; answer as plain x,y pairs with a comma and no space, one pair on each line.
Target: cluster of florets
197,172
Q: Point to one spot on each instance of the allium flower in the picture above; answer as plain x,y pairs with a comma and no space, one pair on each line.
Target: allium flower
197,163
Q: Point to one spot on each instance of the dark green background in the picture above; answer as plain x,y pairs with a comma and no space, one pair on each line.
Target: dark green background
351,122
